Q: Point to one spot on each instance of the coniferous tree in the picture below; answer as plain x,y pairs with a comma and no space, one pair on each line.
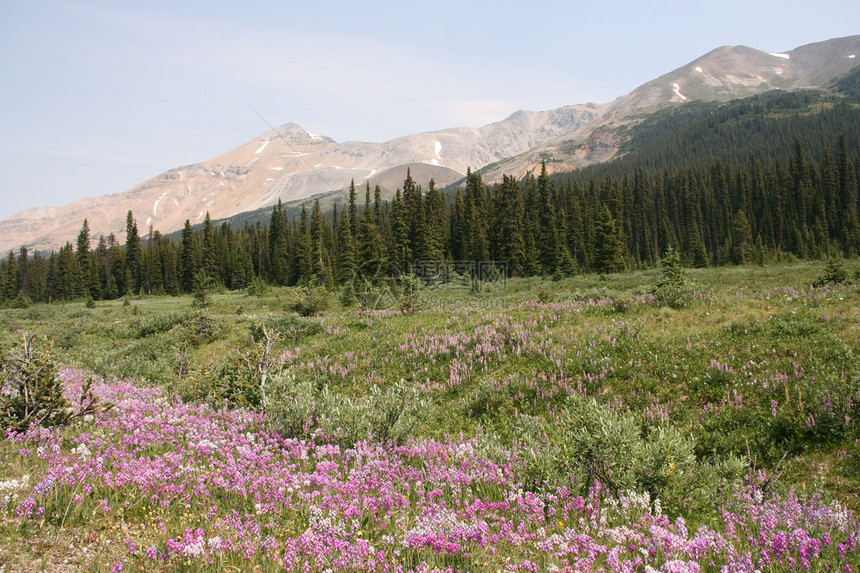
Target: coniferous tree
38,278
401,251
353,209
477,248
66,273
133,254
321,273
24,273
531,227
511,245
346,250
610,248
306,250
187,259
369,242
209,265
741,235
457,225
436,223
549,237
86,284
10,281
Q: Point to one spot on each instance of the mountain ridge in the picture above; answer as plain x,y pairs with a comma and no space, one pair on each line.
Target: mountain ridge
290,162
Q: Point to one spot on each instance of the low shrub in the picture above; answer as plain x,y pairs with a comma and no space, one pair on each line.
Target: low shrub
310,301
304,409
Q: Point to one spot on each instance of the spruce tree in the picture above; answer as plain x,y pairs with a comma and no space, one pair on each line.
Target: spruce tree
86,284
346,250
511,245
477,248
369,243
400,246
24,273
133,254
321,268
610,249
210,266
353,209
741,238
66,273
10,281
306,254
187,259
436,222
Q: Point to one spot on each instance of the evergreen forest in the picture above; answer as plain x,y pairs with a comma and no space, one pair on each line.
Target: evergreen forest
764,179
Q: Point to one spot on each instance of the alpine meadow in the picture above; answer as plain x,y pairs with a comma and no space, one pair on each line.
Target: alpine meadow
631,345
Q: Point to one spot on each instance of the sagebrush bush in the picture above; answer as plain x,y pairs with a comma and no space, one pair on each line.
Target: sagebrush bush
310,301
589,442
150,324
290,326
304,409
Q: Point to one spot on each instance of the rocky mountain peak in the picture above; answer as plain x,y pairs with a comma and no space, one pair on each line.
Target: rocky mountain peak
291,162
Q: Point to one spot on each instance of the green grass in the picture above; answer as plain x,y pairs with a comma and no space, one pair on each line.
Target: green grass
750,334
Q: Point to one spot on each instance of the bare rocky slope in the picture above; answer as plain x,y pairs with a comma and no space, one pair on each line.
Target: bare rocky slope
292,163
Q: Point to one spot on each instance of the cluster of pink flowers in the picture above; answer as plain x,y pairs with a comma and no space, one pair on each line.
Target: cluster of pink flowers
214,485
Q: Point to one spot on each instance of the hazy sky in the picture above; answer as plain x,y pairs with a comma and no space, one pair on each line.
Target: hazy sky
98,96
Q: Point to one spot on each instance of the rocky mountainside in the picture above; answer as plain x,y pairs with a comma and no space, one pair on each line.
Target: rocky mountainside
292,163
726,73
289,163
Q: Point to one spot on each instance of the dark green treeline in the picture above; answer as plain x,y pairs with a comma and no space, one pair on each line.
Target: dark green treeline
747,212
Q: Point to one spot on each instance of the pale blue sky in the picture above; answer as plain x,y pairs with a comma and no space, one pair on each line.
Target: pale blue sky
98,96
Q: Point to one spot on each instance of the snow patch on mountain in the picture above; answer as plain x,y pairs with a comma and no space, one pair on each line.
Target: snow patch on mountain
155,206
698,69
677,89
783,56
262,147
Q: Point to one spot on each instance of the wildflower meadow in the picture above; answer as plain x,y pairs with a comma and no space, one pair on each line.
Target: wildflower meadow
586,424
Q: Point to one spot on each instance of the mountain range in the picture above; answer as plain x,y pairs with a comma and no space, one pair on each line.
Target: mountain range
292,163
